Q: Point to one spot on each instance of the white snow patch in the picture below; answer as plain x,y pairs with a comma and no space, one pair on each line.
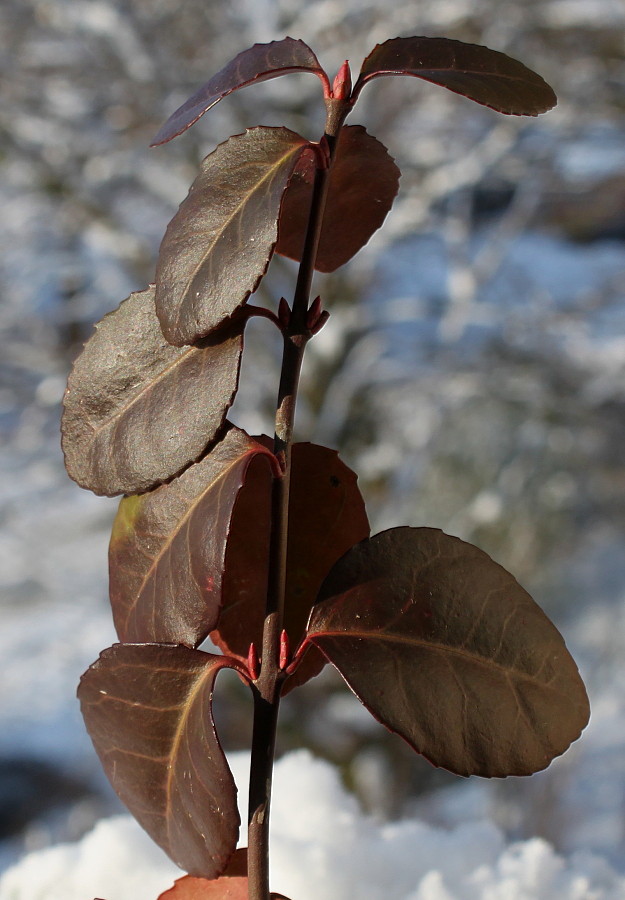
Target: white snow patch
588,13
322,846
116,861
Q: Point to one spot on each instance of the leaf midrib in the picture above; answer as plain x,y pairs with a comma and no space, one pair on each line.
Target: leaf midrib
179,525
124,408
206,673
226,224
421,73
433,646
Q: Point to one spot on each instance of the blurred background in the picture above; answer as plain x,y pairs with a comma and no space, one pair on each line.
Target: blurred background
472,371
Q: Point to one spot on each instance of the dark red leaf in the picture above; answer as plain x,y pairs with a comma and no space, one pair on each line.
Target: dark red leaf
167,550
237,864
260,63
326,517
445,648
486,76
147,708
218,245
137,410
363,184
189,888
246,569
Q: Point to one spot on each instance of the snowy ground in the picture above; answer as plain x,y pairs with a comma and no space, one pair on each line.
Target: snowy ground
323,846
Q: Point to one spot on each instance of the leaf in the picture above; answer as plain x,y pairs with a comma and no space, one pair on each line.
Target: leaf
486,76
237,864
218,245
363,184
167,549
445,648
189,888
259,63
147,709
137,410
326,517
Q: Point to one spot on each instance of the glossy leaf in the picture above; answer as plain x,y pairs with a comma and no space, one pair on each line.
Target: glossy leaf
189,888
259,63
217,247
326,517
147,708
445,648
137,410
363,184
167,550
237,864
486,76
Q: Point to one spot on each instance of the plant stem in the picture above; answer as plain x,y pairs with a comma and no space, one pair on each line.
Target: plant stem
268,686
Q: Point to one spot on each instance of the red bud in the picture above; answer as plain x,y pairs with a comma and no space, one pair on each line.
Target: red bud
252,662
285,650
342,87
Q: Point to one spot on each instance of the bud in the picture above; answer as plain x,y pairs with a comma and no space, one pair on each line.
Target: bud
285,650
323,318
284,313
253,662
342,87
313,314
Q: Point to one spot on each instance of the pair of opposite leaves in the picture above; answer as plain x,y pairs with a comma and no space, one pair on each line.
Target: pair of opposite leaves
421,625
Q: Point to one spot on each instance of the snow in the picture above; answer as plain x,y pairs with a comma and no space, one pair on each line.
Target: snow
323,846
116,860
584,13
